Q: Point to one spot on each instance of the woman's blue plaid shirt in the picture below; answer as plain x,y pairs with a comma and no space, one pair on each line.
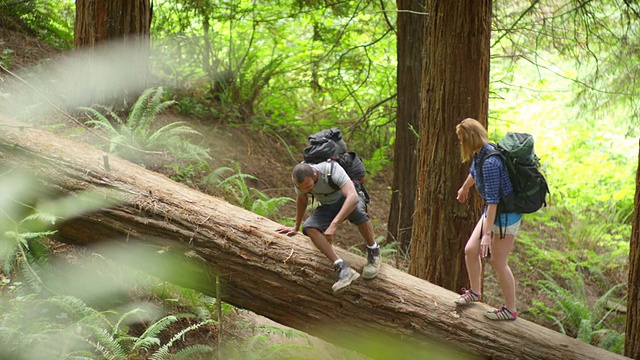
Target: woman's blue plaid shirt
495,179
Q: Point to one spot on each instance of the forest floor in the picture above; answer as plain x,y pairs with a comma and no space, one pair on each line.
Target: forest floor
268,157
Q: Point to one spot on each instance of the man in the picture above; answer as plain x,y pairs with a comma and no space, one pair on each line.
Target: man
335,207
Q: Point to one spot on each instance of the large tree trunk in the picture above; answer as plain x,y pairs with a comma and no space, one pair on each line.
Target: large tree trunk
412,18
99,20
285,279
455,85
125,24
632,337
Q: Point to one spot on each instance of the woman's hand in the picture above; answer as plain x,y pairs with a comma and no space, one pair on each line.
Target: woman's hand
485,245
463,193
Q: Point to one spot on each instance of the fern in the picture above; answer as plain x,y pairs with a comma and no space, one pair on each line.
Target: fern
241,194
131,138
43,217
257,347
190,352
154,329
611,340
578,315
163,352
268,207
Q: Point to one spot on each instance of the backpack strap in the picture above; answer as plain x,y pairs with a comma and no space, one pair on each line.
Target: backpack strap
485,156
329,179
492,152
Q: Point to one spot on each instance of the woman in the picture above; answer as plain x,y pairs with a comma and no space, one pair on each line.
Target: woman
496,240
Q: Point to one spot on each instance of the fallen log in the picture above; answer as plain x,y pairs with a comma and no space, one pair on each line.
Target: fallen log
285,279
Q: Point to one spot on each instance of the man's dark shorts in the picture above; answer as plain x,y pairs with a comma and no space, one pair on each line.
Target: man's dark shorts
322,217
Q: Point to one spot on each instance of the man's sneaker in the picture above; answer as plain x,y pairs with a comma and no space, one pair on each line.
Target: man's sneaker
501,314
346,275
372,267
467,297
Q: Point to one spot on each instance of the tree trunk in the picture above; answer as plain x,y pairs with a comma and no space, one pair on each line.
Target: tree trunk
632,336
125,24
283,278
101,20
411,27
455,85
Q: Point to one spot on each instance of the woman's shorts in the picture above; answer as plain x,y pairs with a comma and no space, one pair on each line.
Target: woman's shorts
509,230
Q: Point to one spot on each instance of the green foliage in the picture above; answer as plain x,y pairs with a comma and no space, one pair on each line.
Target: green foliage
260,347
187,105
5,56
589,241
239,192
38,319
87,332
203,306
135,136
50,20
189,174
575,315
297,66
301,68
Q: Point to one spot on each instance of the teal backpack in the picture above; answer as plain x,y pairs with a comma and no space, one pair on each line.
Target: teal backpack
530,187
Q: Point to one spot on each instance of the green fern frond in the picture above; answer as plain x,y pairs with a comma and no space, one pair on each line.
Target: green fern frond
572,303
270,206
217,175
36,235
154,106
599,307
169,132
43,217
31,272
8,257
119,140
124,317
190,352
163,352
585,331
155,109
75,307
154,329
611,340
139,107
18,237
101,121
106,343
186,151
145,343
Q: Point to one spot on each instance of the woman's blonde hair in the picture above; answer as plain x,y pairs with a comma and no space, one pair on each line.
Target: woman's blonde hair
472,136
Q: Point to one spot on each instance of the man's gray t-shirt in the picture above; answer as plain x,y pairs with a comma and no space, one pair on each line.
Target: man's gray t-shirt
322,190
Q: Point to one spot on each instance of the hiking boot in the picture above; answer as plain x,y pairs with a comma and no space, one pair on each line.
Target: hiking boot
346,275
372,267
501,314
467,297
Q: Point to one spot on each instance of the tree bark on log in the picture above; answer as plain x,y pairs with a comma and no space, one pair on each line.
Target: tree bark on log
285,279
